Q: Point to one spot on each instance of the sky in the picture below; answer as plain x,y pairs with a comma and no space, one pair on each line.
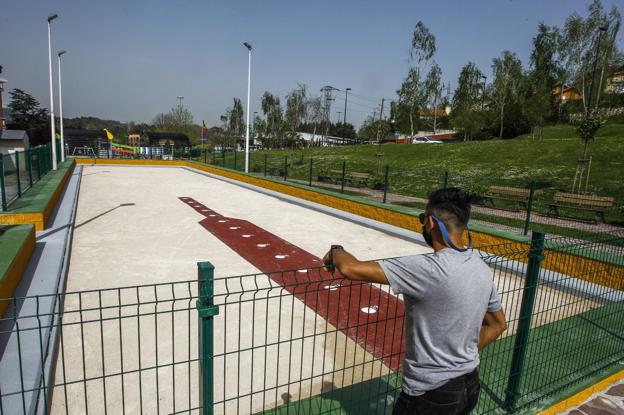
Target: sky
129,60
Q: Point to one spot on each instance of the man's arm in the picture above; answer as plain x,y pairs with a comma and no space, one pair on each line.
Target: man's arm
493,325
353,269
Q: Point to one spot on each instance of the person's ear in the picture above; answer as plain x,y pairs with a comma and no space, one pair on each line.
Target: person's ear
432,223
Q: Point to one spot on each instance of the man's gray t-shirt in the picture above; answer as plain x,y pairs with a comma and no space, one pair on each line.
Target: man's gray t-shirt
446,296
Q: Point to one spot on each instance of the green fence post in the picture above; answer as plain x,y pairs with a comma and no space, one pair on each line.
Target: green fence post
527,221
285,167
310,177
266,156
2,189
235,159
222,158
445,179
38,163
344,172
207,310
529,293
214,156
19,182
28,160
205,155
385,184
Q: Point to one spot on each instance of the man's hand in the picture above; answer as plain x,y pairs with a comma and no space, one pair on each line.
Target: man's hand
349,267
494,324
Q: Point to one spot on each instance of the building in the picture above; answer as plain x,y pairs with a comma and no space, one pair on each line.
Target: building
13,140
160,138
615,83
565,93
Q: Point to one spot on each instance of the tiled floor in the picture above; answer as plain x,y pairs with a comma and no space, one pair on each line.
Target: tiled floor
609,401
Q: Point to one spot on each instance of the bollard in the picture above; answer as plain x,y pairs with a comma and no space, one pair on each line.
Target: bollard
206,310
385,184
529,293
527,221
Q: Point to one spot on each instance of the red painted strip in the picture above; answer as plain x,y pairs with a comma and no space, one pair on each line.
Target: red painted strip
339,301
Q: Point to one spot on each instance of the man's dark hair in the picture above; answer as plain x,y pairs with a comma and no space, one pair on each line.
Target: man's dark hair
451,205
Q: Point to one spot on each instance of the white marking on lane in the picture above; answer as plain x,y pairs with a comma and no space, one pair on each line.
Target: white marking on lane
280,256
369,310
246,236
262,245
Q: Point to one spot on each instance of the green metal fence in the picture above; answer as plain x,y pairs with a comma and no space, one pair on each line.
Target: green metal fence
20,170
302,341
512,201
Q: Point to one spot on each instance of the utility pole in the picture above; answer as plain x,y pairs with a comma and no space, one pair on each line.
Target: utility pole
380,116
344,119
326,108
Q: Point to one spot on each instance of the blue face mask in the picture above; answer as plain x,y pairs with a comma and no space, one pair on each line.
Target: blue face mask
446,236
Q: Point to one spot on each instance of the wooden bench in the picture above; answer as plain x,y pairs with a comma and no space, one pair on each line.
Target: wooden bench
588,203
359,179
332,176
512,194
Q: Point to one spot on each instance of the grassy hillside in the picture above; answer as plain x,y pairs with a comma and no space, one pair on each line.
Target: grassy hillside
416,169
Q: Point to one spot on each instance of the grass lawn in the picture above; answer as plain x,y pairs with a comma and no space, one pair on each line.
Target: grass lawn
418,169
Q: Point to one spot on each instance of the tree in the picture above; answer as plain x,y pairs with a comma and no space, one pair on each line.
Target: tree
236,126
412,91
507,77
273,113
373,126
26,113
296,108
466,106
433,88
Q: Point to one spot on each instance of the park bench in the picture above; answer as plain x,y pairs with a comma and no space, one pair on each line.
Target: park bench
332,176
517,195
587,203
359,179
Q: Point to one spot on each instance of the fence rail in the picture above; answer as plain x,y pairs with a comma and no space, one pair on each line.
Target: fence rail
20,170
298,341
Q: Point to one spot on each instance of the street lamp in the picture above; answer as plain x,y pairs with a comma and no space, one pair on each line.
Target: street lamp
61,53
180,98
52,129
344,119
248,46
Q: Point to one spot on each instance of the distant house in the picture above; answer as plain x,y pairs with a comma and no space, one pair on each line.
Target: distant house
13,140
160,138
569,93
615,83
84,142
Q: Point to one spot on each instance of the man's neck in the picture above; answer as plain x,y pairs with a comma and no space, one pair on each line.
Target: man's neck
456,238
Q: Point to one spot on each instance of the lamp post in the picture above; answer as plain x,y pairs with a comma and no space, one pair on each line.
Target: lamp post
61,53
248,46
52,129
344,115
180,98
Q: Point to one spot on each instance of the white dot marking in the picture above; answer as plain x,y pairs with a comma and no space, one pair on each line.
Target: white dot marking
369,310
262,245
280,256
246,236
222,221
332,287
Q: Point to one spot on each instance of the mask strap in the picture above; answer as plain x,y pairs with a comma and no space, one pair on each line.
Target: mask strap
447,238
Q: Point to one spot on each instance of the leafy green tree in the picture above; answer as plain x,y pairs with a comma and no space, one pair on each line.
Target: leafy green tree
467,103
412,92
272,110
236,126
296,108
26,112
507,78
433,88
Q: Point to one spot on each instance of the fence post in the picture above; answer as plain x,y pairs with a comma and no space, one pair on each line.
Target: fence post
310,177
2,189
535,256
28,160
38,163
527,221
206,310
17,172
445,179
385,185
235,159
205,155
266,156
222,158
285,167
344,171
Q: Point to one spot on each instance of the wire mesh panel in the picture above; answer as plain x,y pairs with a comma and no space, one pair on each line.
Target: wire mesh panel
10,173
127,350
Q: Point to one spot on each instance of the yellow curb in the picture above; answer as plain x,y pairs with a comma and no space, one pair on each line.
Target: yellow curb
582,396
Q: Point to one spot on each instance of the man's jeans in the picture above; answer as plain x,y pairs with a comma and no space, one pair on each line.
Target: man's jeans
458,396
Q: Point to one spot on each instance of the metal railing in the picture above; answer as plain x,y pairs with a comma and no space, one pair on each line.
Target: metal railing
301,341
20,170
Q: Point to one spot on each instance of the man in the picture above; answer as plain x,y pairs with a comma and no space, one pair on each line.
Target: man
452,309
